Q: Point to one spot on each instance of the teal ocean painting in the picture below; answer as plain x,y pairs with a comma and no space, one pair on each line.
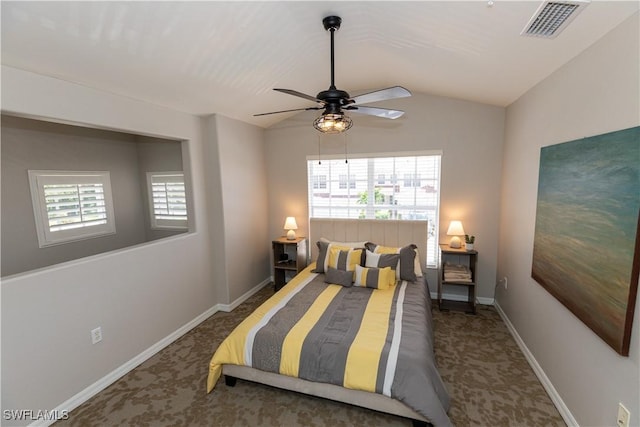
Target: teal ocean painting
586,244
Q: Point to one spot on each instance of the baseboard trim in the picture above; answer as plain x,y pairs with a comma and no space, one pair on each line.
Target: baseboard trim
229,307
485,301
104,382
454,297
566,415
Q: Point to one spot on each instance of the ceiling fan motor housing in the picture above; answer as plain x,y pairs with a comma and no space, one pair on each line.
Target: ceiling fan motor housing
334,98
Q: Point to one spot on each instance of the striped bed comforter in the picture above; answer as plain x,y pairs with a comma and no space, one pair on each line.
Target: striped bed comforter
359,338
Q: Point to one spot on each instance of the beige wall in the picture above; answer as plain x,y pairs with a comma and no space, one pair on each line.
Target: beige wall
597,92
138,295
469,134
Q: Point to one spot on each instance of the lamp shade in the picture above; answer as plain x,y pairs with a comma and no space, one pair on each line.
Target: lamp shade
455,230
290,225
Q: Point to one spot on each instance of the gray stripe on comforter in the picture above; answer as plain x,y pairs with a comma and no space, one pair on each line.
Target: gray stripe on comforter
409,384
324,353
384,357
267,344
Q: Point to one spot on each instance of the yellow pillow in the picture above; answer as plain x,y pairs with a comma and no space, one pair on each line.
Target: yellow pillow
344,259
376,278
324,248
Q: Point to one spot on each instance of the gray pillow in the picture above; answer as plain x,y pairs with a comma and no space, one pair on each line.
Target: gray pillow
338,277
323,249
381,260
407,260
323,253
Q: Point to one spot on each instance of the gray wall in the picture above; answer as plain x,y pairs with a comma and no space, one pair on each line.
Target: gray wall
240,241
469,134
597,92
143,296
31,144
39,145
156,155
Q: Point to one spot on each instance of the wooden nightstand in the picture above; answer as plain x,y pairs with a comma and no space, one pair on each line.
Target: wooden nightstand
453,264
289,258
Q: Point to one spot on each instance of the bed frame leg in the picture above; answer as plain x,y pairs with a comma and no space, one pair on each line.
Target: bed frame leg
230,381
418,423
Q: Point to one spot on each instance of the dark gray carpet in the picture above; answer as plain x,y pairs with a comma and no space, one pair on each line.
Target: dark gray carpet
490,382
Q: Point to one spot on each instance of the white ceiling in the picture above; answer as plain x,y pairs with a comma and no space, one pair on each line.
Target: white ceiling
225,57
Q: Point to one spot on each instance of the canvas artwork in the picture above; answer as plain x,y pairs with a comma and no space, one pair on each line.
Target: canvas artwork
586,245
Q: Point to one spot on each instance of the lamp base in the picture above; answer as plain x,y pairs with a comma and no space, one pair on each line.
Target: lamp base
455,243
291,235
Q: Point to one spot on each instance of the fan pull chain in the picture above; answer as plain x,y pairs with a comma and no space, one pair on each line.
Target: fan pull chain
319,161
345,147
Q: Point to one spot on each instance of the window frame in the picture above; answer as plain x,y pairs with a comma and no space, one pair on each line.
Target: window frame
372,181
38,179
164,223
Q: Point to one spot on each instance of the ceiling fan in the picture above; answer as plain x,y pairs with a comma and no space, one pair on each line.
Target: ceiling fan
335,101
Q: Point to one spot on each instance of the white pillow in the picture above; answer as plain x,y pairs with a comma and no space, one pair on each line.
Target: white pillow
417,265
356,245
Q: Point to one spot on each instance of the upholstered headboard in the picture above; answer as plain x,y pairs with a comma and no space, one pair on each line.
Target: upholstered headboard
383,232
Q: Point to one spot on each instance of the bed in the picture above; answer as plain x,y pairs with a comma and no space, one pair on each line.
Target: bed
367,341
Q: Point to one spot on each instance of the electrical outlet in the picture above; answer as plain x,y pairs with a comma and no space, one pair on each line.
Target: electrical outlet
96,335
623,416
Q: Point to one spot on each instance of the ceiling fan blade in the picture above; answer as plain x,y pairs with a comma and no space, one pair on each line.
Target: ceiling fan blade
385,113
381,95
300,95
288,111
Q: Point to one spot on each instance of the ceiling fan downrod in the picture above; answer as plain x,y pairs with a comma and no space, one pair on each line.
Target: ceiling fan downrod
332,24
333,97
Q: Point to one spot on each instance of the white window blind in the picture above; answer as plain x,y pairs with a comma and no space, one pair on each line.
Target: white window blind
70,205
167,200
387,186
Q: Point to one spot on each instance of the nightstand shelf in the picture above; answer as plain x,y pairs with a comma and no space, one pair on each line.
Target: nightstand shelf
289,258
454,264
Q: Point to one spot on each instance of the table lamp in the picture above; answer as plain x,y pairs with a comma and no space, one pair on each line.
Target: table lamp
455,230
290,224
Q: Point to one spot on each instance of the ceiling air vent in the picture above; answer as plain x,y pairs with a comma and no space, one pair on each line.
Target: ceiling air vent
552,17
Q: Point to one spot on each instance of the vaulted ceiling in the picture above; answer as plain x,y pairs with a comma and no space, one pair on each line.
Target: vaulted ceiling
225,57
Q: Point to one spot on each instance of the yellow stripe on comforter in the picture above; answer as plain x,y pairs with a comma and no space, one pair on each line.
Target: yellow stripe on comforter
365,351
231,351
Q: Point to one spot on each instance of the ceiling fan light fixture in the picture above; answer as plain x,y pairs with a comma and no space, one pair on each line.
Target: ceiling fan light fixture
333,123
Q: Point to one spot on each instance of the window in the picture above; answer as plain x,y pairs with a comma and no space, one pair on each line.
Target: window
347,181
71,205
167,200
358,189
319,181
411,180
